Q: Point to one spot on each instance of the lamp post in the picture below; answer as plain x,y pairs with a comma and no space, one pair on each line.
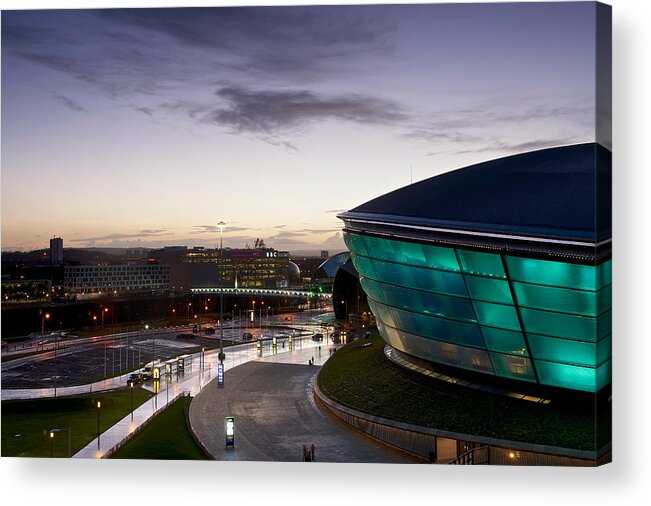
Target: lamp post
98,433
53,431
44,316
131,385
221,226
51,444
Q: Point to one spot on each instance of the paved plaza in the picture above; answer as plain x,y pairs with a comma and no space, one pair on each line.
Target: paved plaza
275,415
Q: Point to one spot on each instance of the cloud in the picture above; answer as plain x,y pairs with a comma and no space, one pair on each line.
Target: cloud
68,102
213,229
274,41
503,125
268,111
501,146
117,236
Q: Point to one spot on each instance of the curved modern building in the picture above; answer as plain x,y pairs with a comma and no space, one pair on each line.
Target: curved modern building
502,268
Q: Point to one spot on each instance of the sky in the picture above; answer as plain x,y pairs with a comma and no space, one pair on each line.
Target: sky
146,127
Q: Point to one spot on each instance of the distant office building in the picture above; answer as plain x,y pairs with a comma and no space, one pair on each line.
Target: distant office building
324,254
56,251
242,268
136,254
87,281
25,291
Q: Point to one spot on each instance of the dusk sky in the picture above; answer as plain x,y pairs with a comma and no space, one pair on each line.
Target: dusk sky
146,127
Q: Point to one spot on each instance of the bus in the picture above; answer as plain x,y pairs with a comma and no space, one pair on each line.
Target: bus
184,362
171,366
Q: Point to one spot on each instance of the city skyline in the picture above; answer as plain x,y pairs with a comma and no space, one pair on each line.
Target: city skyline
146,127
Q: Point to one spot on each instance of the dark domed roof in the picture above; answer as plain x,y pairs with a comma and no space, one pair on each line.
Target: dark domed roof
329,268
294,272
562,193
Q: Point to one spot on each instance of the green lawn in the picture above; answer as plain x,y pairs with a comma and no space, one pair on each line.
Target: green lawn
26,424
167,437
364,379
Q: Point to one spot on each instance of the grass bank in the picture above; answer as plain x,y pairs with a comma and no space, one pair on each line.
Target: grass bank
167,437
362,378
26,424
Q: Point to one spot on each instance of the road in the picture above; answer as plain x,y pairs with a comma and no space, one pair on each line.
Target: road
83,361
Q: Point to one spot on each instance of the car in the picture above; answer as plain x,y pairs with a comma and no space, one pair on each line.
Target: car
208,330
134,378
317,337
247,336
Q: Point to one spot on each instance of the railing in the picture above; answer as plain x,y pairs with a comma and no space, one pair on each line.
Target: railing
280,292
476,456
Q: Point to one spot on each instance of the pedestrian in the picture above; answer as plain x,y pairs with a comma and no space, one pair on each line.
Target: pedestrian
304,453
312,456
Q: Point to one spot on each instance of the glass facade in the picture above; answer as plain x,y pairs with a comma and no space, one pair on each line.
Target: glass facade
534,320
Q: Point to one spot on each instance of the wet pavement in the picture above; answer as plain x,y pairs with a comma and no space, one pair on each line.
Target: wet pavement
88,365
193,382
275,416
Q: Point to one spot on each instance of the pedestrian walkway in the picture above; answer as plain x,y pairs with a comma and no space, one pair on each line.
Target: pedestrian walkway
192,383
276,418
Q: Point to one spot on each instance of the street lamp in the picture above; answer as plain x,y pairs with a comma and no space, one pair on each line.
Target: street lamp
221,226
53,431
98,433
51,444
44,316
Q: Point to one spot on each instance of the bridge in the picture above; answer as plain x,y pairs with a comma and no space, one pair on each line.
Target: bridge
267,292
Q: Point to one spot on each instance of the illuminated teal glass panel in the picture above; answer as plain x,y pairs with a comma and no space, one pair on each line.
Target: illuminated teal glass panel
605,298
484,264
562,299
428,326
604,374
446,353
382,313
455,308
355,243
605,349
413,277
497,315
605,273
567,376
504,341
492,290
569,352
364,266
510,366
411,253
546,272
580,328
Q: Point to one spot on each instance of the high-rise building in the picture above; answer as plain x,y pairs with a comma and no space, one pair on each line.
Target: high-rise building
502,268
56,251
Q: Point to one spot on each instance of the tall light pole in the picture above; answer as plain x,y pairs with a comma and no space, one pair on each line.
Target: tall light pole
221,226
98,433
